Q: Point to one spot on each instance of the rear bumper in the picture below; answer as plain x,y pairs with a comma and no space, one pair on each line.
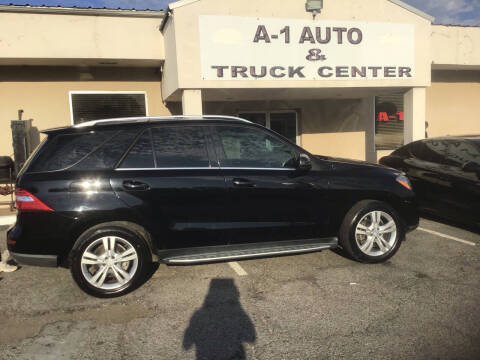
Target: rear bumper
35,260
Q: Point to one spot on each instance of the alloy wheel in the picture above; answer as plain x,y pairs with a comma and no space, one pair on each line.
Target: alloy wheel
376,233
109,262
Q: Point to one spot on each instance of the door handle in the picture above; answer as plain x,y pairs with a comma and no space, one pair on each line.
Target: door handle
243,183
135,185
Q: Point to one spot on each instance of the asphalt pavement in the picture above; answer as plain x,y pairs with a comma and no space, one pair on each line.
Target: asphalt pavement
422,304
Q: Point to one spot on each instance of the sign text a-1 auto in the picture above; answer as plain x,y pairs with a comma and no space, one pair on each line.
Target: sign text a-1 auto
319,48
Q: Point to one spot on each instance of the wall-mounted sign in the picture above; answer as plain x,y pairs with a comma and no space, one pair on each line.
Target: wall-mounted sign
247,48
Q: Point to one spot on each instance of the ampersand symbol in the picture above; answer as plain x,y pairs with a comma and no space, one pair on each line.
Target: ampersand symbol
315,55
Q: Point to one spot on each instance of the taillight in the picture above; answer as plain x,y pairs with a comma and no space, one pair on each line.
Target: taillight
28,202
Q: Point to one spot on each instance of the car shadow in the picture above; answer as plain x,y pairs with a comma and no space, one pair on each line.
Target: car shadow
221,326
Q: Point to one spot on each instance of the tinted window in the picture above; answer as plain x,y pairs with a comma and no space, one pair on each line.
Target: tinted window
403,152
257,118
455,152
141,154
63,151
252,148
285,124
180,146
87,107
424,150
389,119
107,155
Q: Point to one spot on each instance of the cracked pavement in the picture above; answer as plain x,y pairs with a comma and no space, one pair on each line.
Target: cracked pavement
422,304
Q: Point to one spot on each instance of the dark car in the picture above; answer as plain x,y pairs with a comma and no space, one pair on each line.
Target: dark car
107,198
445,175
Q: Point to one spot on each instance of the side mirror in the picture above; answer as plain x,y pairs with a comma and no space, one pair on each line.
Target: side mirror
304,162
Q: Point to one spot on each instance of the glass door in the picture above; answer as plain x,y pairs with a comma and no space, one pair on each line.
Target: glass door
282,122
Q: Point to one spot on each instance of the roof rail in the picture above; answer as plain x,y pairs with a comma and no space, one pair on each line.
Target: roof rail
158,118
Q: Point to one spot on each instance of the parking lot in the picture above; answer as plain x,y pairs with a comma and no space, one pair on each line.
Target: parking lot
422,304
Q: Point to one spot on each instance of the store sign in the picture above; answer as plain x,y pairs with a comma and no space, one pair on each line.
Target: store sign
383,116
247,48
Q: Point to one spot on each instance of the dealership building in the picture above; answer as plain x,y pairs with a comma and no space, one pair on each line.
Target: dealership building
347,78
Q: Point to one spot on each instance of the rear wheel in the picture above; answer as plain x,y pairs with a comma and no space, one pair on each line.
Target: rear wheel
110,261
371,232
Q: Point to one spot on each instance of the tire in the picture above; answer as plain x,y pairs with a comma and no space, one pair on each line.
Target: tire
95,264
361,234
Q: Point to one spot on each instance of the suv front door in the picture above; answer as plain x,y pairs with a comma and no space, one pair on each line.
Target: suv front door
269,198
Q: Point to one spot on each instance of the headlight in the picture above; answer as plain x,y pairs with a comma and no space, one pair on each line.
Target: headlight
403,180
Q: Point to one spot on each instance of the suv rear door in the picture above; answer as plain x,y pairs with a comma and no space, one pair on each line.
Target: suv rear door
171,178
70,173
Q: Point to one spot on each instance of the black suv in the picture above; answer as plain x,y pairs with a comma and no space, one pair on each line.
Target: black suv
109,197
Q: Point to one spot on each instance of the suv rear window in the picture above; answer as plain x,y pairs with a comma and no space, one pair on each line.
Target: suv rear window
65,150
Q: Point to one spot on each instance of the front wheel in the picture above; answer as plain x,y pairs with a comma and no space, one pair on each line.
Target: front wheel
371,232
110,261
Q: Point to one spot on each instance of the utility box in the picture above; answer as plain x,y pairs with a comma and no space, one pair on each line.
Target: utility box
22,146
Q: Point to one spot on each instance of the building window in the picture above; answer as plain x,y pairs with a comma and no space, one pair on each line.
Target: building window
284,123
86,106
389,121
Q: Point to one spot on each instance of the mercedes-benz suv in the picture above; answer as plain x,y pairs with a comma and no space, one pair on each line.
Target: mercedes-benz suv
107,198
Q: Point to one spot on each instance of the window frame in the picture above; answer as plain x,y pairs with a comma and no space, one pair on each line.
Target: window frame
104,92
219,150
211,154
268,117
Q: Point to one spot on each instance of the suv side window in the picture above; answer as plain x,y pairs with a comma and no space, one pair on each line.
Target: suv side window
141,154
180,146
108,155
248,147
169,147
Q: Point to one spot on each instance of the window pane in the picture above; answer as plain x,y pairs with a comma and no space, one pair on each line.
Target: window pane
63,151
285,124
107,156
252,148
86,107
141,155
257,118
389,121
180,147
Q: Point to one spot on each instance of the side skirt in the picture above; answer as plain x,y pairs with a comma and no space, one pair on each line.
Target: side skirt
244,251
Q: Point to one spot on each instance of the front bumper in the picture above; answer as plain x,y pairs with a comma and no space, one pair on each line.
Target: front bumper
35,260
411,227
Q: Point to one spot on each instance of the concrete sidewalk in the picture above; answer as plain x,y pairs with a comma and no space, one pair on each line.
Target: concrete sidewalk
7,217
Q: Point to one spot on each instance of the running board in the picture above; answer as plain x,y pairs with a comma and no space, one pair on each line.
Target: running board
244,251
